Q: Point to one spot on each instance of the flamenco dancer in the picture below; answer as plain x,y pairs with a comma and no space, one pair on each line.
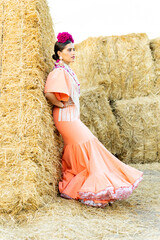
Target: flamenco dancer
90,173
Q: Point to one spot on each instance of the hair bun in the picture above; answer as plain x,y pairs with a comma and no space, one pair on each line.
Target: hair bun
54,57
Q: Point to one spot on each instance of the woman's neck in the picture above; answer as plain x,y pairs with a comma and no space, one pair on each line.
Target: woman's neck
66,63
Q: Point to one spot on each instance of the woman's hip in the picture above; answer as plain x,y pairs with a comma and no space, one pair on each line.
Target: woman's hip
73,131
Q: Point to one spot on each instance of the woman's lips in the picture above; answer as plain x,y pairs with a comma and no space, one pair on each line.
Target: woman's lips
73,57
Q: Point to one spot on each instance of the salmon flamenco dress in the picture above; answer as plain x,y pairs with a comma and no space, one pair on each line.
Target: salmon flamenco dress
90,173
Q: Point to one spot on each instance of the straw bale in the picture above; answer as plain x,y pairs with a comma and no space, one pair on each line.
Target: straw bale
155,48
1,38
30,147
123,64
97,115
90,65
30,166
139,124
28,42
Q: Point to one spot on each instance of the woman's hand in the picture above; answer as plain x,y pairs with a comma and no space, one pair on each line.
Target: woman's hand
52,98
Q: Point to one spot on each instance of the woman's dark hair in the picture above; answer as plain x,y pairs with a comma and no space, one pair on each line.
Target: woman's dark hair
59,47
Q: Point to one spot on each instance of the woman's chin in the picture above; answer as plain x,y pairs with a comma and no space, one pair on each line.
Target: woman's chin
71,61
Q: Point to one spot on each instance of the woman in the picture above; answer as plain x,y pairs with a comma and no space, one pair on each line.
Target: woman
90,173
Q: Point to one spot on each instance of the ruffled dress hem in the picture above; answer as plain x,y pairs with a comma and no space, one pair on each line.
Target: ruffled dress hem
106,196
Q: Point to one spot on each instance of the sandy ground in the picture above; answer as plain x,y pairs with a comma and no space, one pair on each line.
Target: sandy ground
138,217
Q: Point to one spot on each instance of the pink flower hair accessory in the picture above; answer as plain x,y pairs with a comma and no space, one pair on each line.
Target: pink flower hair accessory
64,36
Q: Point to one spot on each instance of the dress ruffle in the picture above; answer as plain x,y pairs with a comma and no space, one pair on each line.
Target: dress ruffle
94,176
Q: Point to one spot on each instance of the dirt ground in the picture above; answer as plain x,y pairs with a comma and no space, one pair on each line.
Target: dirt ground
136,218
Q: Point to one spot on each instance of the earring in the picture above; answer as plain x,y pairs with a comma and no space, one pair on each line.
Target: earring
61,61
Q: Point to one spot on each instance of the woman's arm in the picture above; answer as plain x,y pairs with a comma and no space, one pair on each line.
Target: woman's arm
52,98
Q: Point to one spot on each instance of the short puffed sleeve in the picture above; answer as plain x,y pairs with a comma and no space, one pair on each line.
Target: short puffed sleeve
58,83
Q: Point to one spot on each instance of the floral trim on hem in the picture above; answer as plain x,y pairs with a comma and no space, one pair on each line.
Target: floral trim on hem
108,194
92,203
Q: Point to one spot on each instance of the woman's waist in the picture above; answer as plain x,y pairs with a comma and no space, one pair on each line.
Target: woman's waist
67,113
65,105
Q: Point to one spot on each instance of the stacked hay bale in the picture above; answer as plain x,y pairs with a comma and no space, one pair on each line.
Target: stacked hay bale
96,114
124,66
139,124
28,146
1,30
155,49
90,64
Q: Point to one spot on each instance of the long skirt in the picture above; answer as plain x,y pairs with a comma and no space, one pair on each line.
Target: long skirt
90,173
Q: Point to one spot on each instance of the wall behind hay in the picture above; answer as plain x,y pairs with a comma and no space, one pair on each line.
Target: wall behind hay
29,153
123,64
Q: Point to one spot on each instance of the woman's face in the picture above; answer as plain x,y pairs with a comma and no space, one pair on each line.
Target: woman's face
68,53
